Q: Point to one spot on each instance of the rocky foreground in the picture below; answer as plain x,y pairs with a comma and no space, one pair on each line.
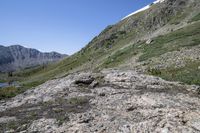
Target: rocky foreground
111,101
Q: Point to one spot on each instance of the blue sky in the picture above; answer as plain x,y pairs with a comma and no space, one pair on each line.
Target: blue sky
64,26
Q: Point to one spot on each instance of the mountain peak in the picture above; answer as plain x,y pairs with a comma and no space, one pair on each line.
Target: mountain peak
17,57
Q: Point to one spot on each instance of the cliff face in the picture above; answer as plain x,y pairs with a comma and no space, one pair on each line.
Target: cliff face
18,57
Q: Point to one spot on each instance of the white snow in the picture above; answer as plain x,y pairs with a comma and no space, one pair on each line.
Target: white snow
144,8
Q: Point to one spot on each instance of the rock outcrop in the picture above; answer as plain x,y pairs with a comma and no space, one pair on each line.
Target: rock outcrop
119,102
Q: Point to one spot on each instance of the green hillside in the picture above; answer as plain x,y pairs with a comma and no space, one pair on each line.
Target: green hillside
118,44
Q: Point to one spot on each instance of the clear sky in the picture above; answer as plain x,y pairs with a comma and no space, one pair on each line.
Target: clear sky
64,26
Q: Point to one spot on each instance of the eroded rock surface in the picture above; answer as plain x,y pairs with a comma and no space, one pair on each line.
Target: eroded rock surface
111,101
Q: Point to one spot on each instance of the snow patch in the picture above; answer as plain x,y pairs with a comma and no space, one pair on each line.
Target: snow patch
144,8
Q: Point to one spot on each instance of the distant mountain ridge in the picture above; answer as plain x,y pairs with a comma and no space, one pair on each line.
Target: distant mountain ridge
18,57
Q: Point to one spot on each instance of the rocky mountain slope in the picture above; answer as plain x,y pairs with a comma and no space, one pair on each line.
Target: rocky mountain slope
113,84
18,57
134,43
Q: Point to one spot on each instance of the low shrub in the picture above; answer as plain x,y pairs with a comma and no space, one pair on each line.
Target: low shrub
8,92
